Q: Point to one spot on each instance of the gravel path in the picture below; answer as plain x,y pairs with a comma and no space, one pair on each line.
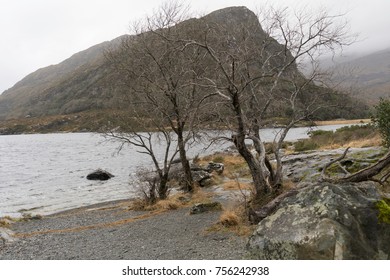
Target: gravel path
110,231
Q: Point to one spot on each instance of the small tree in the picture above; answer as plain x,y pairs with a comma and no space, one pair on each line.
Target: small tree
160,73
145,143
381,119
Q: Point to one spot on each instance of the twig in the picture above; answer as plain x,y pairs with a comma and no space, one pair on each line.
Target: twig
323,173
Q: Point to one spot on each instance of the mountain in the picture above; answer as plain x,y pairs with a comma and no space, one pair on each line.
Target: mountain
79,83
368,75
86,82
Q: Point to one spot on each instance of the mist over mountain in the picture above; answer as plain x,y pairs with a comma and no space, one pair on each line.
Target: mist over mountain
367,76
86,82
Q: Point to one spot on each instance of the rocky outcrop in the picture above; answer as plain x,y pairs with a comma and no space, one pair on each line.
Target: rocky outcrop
324,221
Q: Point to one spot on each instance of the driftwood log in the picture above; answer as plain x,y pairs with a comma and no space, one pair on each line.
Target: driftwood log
366,174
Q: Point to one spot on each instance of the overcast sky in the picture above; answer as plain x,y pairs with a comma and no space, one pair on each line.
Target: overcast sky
38,33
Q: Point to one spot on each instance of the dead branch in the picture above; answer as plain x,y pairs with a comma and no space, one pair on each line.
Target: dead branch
368,173
323,173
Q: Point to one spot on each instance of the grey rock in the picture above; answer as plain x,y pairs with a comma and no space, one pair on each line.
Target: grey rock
214,166
202,177
205,207
6,236
324,221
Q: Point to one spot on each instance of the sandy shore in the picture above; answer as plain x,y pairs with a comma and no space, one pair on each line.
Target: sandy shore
111,231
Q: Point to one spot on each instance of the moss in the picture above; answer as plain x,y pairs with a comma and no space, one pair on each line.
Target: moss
334,169
384,210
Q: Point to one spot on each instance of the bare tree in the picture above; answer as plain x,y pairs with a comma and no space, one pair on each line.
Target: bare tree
146,143
255,73
160,73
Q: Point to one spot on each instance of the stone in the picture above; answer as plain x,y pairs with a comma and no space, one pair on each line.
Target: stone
205,207
6,236
324,221
214,166
201,177
99,175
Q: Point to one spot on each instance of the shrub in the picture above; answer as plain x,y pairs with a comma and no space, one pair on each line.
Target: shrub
305,145
381,120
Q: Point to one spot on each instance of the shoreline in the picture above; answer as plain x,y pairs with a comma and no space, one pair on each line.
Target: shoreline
111,231
30,126
336,122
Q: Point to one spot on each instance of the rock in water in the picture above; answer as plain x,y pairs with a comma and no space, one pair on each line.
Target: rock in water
99,174
324,221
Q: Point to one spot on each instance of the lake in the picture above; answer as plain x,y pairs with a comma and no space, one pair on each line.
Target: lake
46,173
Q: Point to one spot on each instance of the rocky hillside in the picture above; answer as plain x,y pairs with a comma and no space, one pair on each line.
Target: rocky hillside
86,82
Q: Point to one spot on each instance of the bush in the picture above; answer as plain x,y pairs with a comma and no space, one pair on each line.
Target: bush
305,145
342,136
381,120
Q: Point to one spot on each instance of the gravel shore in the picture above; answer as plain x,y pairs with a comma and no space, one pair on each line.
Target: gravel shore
111,231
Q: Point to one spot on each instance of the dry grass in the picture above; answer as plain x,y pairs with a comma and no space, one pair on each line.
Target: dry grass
234,219
373,141
229,218
235,185
235,165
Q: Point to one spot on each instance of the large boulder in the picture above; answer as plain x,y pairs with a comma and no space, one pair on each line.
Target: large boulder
324,221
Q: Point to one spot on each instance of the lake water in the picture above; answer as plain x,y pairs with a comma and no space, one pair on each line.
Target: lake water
46,173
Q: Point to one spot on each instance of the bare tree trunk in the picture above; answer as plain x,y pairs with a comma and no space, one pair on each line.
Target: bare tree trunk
163,187
256,172
188,181
259,180
255,216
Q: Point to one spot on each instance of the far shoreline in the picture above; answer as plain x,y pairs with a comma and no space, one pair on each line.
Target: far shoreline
342,121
